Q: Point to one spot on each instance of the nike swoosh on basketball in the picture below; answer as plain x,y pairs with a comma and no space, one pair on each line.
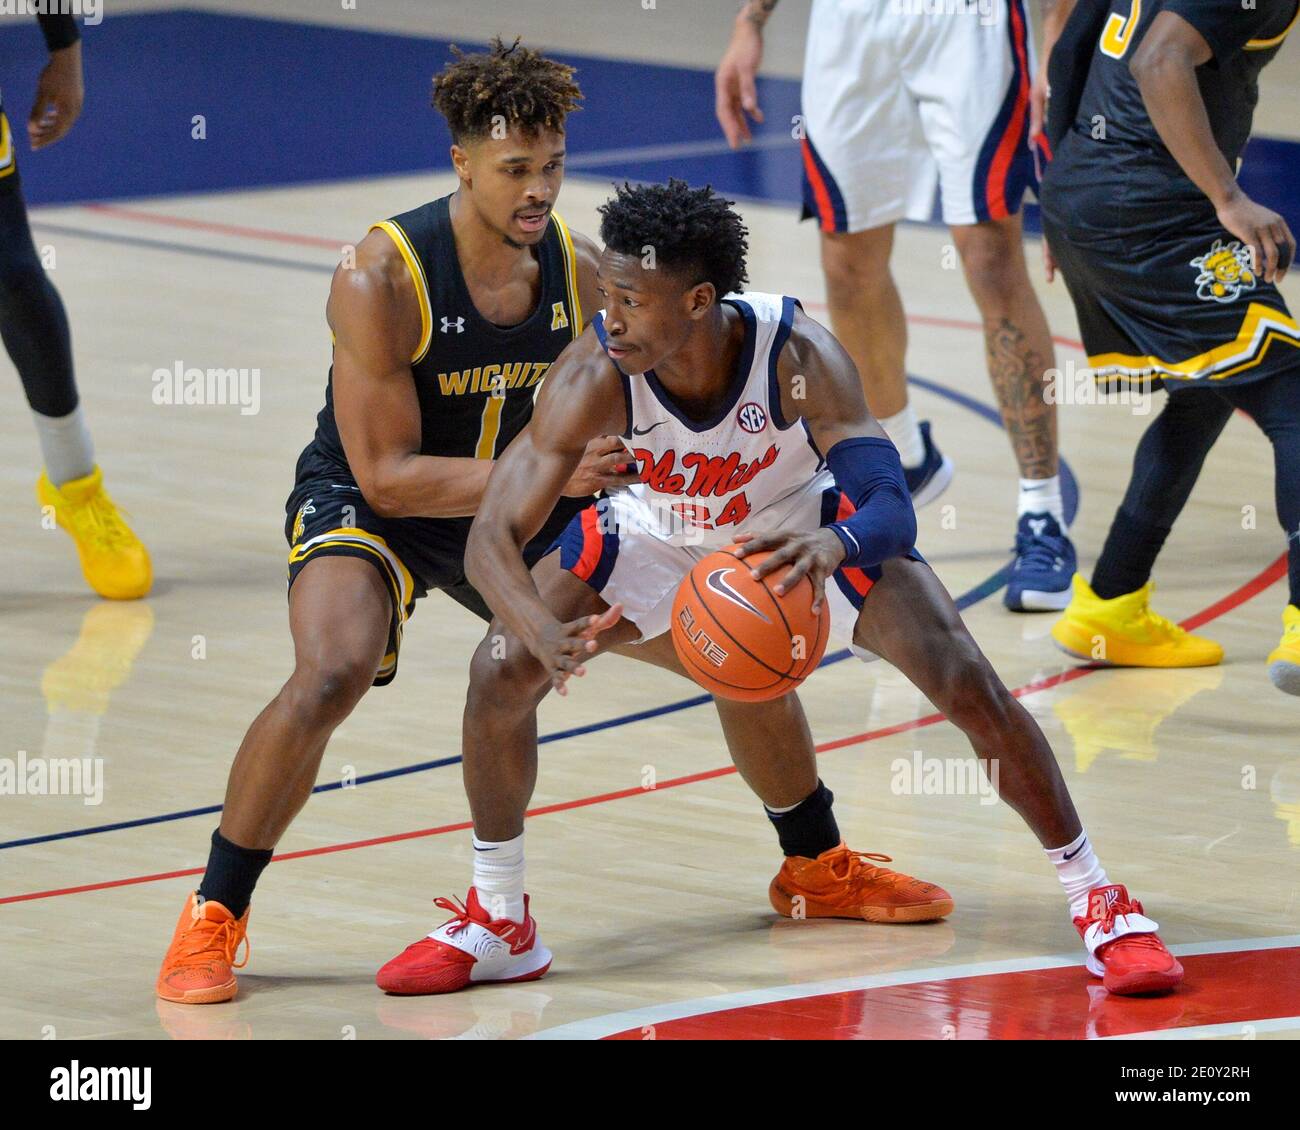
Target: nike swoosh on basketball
717,582
643,431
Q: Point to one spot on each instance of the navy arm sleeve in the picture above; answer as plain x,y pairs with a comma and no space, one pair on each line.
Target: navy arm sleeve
868,470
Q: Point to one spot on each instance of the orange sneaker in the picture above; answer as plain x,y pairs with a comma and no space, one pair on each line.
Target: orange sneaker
841,883
200,962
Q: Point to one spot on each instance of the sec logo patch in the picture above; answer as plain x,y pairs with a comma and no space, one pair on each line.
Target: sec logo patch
751,417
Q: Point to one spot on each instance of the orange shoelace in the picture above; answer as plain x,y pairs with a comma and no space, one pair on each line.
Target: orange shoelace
205,941
844,863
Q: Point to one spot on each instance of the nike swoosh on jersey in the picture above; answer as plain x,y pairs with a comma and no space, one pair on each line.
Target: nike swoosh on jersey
643,431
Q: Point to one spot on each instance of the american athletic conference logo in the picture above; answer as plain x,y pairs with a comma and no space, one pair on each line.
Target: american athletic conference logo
751,417
1224,272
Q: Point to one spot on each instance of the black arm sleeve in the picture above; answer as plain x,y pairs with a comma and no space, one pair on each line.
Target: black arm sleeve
1068,66
59,31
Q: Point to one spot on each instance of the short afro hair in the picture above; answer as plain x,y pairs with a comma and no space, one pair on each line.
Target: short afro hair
692,231
521,86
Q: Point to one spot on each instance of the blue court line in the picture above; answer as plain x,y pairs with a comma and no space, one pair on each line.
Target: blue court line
986,588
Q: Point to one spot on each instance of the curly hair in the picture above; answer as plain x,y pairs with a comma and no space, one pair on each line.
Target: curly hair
521,86
692,231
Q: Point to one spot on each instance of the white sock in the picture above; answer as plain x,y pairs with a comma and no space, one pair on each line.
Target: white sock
1080,873
65,445
905,432
1042,496
499,877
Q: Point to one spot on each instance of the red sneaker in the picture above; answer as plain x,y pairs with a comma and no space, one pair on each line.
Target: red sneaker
1123,947
471,948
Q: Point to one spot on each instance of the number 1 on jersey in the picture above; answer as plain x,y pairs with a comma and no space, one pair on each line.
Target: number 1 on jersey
1118,32
490,426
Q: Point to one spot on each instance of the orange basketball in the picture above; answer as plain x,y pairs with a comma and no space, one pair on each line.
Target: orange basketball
737,637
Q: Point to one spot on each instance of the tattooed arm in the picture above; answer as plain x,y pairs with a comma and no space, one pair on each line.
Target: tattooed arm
735,93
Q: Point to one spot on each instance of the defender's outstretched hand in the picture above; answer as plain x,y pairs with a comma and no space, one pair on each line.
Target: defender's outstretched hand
561,648
606,465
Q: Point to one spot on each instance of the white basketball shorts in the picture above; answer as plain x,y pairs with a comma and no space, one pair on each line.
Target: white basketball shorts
901,96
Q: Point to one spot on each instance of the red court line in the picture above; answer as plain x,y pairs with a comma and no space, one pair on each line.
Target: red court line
1035,1004
163,219
1250,589
239,230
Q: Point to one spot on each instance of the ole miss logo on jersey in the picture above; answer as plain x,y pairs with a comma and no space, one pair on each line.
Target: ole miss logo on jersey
700,474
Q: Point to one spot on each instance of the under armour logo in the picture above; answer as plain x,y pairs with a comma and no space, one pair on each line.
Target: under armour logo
459,323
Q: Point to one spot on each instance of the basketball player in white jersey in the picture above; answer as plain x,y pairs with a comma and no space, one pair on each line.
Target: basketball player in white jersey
749,425
900,97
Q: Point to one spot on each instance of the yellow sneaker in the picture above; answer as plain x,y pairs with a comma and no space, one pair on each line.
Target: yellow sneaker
1284,662
113,560
1124,632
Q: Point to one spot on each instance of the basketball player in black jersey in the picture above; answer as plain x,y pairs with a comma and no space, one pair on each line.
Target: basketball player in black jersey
444,331
1173,271
34,327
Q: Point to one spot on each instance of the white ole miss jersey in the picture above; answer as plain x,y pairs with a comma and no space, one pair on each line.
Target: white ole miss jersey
703,481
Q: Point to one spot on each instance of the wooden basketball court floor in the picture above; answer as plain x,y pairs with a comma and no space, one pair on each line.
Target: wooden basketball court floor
653,899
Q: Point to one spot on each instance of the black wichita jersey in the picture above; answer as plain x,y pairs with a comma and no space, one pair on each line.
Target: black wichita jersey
475,380
1112,143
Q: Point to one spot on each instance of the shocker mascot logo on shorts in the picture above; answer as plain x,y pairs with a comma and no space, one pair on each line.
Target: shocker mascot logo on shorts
1225,272
298,524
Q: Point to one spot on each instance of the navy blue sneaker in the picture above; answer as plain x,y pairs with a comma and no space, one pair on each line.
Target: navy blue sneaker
1045,563
928,481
